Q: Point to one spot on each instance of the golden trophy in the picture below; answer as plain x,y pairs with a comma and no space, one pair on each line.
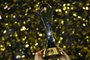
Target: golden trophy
52,51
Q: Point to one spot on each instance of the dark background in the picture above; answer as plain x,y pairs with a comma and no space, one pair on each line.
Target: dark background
22,32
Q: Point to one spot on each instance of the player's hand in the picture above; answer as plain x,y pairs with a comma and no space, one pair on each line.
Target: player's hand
63,53
39,55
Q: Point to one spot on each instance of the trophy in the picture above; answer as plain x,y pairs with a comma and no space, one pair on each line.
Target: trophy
52,51
46,13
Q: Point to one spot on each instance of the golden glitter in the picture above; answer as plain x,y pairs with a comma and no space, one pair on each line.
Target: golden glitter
23,28
66,12
37,28
59,10
73,32
84,24
64,8
15,34
88,40
18,56
68,8
62,32
84,8
85,48
37,4
88,4
36,9
6,16
83,19
45,9
27,45
2,48
68,4
0,17
74,14
4,31
15,22
64,46
6,7
72,8
31,47
36,44
59,41
79,17
14,16
25,14
3,38
62,22
24,22
23,56
8,43
55,20
61,38
56,10
40,34
24,38
80,54
27,10
39,38
64,4
6,24
87,8
87,36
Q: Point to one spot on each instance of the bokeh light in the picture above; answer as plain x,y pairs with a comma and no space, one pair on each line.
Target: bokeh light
22,33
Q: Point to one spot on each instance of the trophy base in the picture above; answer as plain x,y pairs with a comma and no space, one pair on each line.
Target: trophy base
51,53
